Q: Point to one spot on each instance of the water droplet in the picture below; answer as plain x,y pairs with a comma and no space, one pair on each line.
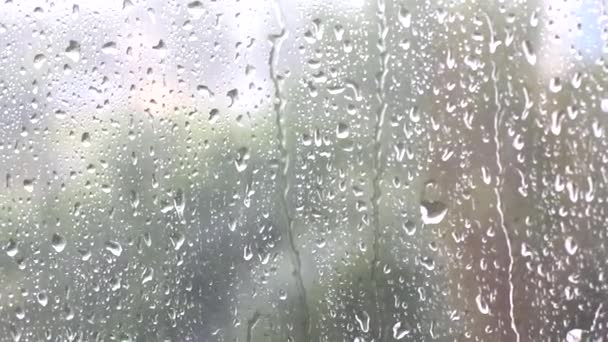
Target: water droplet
42,298
58,243
247,253
39,60
242,158
85,139
574,335
11,248
604,105
405,17
555,85
147,275
570,245
114,247
73,51
195,9
399,332
19,313
28,185
109,48
233,96
214,114
577,79
342,131
161,48
432,212
427,263
482,306
362,318
529,52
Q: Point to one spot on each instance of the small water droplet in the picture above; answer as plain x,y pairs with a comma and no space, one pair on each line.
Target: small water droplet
570,245
604,105
342,131
42,298
247,253
58,243
11,248
482,306
39,60
147,275
555,85
242,159
85,139
19,312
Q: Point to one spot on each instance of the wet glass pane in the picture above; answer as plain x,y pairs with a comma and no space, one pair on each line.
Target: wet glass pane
297,170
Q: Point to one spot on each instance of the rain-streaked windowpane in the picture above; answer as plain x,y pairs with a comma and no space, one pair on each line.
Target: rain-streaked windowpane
303,170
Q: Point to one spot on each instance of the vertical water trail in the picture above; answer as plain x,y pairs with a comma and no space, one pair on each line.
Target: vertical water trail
377,165
276,40
497,190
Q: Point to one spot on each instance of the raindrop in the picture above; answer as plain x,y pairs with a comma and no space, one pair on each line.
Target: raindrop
604,105
405,17
574,335
58,243
214,115
242,158
114,247
529,52
342,131
432,212
195,9
482,306
109,48
247,253
73,51
570,245
39,60
555,85
11,248
85,139
362,318
399,332
147,275
28,185
42,298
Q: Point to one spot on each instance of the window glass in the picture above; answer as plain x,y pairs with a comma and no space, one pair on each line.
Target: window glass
303,170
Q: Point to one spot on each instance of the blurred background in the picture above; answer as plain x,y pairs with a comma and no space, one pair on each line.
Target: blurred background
297,170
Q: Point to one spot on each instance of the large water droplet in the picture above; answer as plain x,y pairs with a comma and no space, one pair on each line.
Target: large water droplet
195,9
399,332
482,306
109,48
362,318
73,51
114,247
432,212
529,52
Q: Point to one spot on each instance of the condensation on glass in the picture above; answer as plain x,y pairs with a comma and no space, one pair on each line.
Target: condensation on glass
302,170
